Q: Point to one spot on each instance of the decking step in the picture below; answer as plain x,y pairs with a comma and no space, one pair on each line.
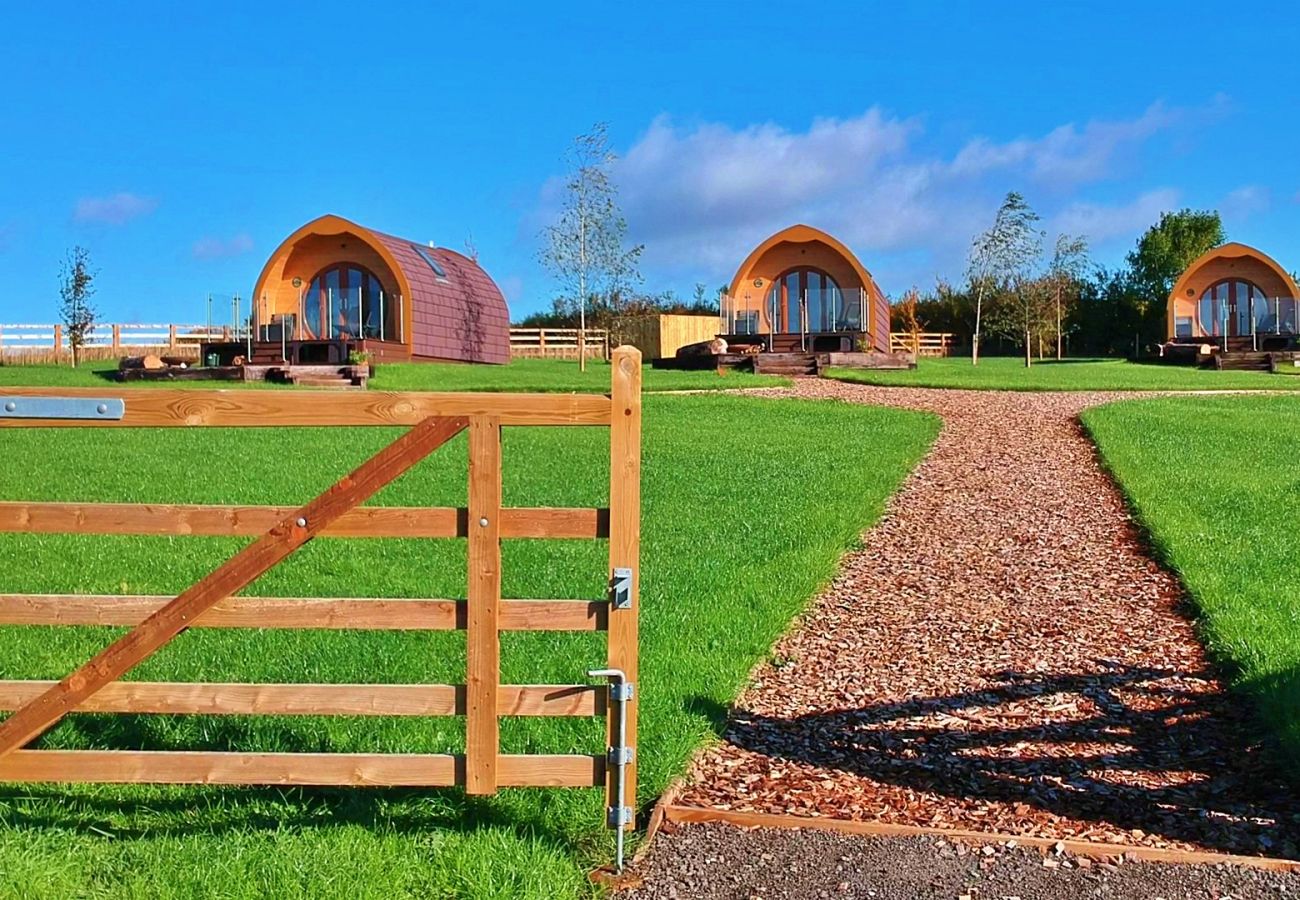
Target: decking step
340,383
786,364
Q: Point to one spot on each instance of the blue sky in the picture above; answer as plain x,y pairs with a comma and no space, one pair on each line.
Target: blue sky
181,143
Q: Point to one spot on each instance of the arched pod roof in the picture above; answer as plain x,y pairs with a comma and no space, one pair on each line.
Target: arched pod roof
452,307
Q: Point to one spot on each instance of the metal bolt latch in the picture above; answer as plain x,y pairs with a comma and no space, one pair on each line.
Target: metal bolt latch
620,589
618,816
621,691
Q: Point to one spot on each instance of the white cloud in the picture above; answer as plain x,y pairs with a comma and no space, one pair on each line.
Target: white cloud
1101,223
701,196
1245,201
1067,155
221,248
116,209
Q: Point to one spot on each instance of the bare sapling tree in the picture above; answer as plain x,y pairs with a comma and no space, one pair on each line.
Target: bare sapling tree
76,287
907,316
584,248
1002,255
1068,266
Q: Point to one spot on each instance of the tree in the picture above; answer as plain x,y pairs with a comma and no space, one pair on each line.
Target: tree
1161,255
909,320
1002,255
584,249
76,287
1065,273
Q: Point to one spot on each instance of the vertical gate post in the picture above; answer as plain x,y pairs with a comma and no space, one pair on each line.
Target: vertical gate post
625,549
483,648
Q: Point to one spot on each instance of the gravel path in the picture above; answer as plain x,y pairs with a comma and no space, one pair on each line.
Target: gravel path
718,861
1001,655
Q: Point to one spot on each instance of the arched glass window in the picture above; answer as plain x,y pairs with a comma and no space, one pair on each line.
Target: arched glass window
349,301
1237,308
806,300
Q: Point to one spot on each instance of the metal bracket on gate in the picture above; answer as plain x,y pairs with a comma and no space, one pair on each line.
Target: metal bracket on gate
618,817
621,691
620,589
62,408
621,756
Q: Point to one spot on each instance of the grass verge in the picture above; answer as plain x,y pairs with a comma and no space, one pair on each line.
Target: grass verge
1000,373
748,503
1214,480
552,375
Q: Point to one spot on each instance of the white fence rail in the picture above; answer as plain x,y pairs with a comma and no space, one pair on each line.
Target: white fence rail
38,343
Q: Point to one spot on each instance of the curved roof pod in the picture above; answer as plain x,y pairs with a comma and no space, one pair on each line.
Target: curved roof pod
1232,251
1227,262
800,234
805,246
451,307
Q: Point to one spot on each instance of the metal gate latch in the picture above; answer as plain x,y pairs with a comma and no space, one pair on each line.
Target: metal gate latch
619,817
61,408
620,589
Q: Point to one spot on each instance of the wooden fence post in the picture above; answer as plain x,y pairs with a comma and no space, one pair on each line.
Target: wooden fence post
625,543
58,341
171,336
483,647
117,337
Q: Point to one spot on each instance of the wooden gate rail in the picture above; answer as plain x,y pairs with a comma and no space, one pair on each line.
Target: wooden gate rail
213,602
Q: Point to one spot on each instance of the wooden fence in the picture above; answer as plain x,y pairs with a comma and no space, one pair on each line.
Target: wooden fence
49,343
660,335
558,343
926,343
212,602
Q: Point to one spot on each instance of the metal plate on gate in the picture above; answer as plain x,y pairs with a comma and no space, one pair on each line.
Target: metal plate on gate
106,408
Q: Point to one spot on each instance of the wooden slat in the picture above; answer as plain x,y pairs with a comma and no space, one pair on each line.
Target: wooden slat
349,769
244,408
296,612
625,540
315,699
690,815
483,645
229,578
365,521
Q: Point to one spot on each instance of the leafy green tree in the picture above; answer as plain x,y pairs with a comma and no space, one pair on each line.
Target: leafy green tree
1000,258
1161,255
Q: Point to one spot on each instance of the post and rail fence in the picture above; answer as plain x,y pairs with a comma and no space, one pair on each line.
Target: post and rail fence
48,343
215,601
924,343
559,343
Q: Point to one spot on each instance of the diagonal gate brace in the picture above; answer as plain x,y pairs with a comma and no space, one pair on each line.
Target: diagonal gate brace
43,712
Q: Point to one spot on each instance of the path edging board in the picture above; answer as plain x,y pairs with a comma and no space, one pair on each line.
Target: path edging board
676,814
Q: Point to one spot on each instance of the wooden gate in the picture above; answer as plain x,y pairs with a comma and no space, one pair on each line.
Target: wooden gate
212,602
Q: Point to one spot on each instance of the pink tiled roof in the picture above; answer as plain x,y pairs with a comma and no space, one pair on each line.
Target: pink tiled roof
462,316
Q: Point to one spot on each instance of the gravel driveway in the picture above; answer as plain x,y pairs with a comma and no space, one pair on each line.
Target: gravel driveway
1001,655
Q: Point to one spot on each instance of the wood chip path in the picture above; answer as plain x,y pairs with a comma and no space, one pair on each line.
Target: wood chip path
1001,655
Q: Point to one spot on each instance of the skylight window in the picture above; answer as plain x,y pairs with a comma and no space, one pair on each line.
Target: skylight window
433,263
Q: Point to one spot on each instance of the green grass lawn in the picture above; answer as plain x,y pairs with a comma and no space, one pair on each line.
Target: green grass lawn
1003,373
748,503
519,375
1215,480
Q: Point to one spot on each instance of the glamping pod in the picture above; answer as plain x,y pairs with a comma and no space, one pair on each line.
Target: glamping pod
1236,297
803,291
334,287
